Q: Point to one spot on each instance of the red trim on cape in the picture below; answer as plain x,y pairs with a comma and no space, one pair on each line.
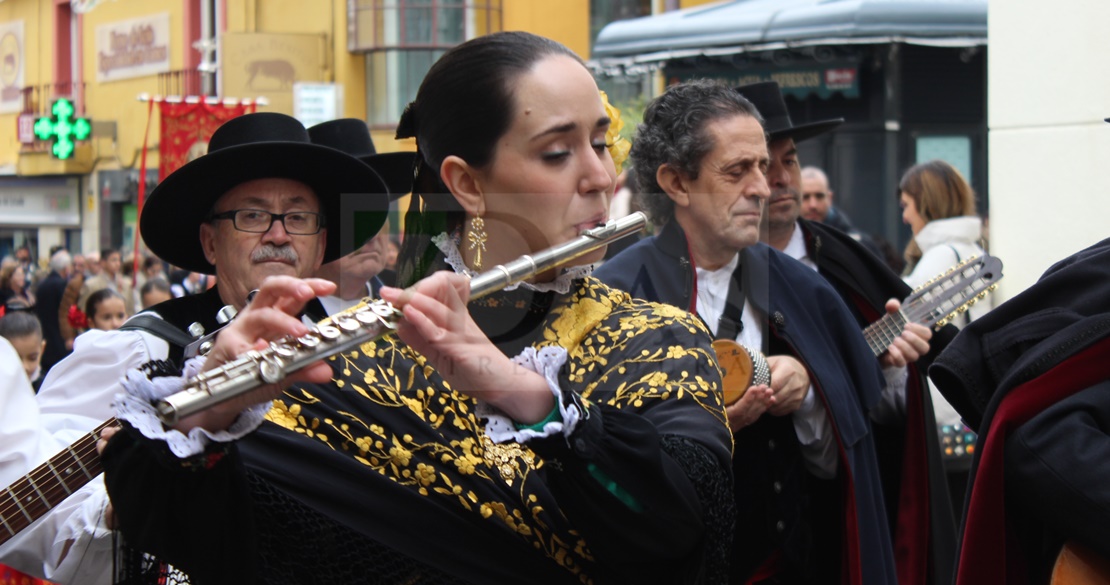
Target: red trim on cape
911,533
985,553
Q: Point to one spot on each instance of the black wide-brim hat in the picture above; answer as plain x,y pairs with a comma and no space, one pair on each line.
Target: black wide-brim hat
253,146
767,97
352,136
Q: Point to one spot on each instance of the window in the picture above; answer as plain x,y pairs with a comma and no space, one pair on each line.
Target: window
401,40
954,150
603,12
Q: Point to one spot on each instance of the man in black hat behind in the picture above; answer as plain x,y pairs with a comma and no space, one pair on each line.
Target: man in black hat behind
362,272
262,206
914,485
808,495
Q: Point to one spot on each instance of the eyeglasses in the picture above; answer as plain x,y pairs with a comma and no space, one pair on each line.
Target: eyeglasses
258,221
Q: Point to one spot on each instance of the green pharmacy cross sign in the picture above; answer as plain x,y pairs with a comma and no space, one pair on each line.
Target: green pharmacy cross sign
63,128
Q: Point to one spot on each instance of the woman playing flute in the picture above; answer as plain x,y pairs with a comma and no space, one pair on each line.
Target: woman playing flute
557,431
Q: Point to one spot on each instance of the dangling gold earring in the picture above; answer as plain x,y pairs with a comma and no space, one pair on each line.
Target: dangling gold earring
477,238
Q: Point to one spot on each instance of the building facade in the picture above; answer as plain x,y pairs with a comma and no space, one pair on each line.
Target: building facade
316,60
909,78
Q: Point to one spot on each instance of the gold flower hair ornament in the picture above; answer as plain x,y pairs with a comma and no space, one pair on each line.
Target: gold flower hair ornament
617,144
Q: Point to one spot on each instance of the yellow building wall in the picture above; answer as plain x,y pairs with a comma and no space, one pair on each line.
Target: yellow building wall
37,61
566,21
682,4
118,100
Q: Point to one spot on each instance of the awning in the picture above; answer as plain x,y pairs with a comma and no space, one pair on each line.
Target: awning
740,26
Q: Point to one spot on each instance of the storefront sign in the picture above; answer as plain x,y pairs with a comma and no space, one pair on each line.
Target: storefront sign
63,128
799,82
133,48
12,65
269,64
25,128
40,202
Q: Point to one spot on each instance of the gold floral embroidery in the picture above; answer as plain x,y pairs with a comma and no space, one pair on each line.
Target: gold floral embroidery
384,390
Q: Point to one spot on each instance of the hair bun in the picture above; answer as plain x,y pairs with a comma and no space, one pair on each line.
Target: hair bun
406,127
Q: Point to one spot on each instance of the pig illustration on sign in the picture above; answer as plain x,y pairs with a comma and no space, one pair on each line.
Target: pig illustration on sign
279,70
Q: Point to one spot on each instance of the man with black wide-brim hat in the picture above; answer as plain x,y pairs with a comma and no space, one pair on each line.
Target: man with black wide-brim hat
262,205
920,512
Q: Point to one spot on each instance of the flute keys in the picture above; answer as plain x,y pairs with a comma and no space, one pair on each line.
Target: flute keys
383,309
308,340
366,317
348,324
271,370
282,349
328,332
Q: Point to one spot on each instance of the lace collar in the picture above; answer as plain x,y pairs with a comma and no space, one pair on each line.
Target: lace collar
449,245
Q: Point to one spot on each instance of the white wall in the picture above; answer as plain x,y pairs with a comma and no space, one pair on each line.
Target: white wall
1048,74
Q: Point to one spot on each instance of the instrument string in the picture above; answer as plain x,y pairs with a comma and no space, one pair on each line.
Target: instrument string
48,484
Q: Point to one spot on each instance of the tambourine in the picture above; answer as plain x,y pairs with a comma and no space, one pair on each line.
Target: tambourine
741,368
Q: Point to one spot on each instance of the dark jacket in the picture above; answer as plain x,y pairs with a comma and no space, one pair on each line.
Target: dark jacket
806,317
49,295
918,503
1030,377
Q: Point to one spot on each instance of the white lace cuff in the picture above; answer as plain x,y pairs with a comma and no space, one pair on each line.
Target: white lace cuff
546,362
136,407
450,248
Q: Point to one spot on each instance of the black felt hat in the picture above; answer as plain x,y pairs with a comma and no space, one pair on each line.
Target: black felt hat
352,136
249,147
767,98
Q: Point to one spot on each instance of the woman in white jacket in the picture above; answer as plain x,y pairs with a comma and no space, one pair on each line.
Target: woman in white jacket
939,206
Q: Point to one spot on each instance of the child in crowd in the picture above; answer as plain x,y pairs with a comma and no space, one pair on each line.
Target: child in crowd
105,310
23,331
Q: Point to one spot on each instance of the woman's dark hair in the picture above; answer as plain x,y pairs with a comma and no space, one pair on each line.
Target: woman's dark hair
17,324
674,132
464,105
98,297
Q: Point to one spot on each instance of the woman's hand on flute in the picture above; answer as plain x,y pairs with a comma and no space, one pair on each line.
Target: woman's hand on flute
272,314
438,326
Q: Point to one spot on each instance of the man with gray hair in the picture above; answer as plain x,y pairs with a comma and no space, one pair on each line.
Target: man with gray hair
49,296
809,503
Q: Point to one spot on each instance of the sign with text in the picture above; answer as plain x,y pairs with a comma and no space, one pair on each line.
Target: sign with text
137,47
25,128
314,103
45,201
12,65
799,82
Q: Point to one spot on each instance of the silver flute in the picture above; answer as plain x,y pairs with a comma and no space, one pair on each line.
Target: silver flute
362,323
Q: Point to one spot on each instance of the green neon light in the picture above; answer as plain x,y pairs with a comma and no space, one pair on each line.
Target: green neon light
63,128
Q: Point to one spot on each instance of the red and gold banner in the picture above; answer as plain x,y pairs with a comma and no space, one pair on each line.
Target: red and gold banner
186,129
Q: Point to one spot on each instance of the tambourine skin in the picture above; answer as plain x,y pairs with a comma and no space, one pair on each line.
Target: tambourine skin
741,368
736,368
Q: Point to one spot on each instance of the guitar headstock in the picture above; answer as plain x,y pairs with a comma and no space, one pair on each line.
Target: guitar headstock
950,294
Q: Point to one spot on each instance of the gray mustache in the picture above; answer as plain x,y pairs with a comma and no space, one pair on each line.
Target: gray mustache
270,252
